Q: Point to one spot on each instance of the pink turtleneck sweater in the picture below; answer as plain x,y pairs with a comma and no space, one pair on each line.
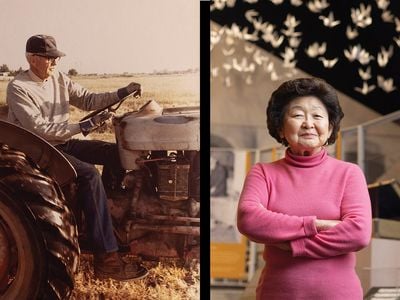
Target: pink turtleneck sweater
279,203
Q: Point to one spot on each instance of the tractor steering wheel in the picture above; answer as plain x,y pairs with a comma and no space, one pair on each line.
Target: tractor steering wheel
109,107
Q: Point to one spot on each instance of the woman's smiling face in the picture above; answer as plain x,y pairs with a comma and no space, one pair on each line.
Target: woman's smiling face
306,125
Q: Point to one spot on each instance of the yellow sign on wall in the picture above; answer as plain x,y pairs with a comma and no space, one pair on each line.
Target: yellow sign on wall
229,260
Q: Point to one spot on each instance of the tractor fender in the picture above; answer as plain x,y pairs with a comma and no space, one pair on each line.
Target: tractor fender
48,158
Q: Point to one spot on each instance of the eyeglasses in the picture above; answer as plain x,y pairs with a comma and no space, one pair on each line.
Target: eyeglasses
49,59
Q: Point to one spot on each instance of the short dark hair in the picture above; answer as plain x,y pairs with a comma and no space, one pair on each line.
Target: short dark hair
301,87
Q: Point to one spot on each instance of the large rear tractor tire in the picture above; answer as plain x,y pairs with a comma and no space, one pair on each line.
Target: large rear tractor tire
39,249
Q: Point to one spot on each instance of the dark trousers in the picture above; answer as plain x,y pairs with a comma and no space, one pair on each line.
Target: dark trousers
83,155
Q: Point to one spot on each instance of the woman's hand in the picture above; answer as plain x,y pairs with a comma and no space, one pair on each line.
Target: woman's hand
320,224
325,224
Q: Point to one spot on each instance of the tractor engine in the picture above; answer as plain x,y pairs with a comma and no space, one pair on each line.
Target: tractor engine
158,214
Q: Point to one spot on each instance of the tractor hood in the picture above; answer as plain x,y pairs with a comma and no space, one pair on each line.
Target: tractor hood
154,128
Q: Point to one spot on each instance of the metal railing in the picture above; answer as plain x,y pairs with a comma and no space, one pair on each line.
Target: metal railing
374,146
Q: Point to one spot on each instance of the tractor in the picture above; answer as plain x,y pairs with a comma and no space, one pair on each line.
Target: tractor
156,215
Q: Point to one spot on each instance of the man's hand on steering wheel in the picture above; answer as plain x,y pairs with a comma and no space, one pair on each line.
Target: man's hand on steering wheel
94,122
97,118
132,88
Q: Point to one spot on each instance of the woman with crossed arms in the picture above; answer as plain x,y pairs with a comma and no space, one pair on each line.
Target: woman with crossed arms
310,210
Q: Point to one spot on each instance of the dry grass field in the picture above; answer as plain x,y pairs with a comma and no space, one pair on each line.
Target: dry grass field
166,279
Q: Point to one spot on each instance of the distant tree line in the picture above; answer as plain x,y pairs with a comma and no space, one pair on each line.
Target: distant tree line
5,68
74,72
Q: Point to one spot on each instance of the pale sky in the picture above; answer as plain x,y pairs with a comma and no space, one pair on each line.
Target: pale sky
103,36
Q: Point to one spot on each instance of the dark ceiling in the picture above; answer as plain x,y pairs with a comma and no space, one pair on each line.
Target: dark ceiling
374,60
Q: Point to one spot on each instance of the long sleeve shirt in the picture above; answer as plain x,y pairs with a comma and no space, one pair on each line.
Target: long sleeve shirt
43,106
279,203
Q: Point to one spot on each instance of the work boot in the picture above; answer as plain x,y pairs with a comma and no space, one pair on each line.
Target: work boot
110,265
